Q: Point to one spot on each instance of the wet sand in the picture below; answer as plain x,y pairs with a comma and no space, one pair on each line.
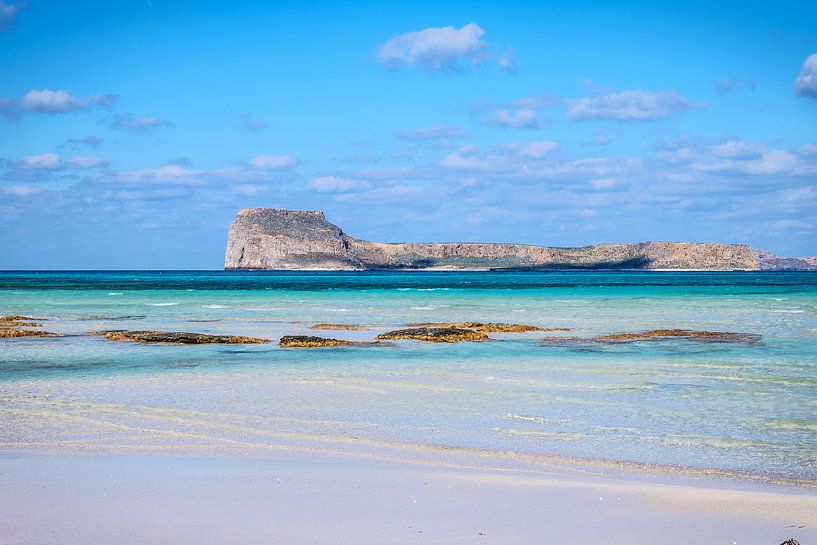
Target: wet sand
319,498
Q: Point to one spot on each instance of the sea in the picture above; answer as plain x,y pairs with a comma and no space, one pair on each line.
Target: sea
736,408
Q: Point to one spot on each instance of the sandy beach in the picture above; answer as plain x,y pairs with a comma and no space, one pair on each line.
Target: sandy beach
313,498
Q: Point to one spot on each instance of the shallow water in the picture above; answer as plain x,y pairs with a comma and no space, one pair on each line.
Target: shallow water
735,407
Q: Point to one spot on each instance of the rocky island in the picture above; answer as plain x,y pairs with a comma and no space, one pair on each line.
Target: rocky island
278,239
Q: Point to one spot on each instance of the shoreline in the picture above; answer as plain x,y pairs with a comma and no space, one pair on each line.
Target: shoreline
309,497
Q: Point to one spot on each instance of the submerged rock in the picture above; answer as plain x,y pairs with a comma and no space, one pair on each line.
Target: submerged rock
490,327
434,335
666,334
177,337
657,335
340,327
309,341
14,333
566,341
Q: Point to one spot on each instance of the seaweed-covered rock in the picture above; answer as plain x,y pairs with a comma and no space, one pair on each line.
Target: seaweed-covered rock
309,341
488,327
339,327
657,335
566,341
14,333
665,334
434,335
177,337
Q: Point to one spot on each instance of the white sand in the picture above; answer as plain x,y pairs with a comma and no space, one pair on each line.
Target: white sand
313,498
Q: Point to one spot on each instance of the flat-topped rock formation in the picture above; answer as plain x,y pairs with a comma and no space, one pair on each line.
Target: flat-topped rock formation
277,239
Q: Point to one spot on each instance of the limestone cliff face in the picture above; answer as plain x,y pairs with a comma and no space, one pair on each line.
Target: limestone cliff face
276,239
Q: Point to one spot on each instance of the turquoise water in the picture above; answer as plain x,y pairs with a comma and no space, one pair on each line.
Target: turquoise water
734,407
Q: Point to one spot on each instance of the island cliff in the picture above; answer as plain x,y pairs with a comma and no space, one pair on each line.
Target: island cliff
276,239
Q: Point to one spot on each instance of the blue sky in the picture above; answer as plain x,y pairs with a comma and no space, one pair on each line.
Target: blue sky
132,132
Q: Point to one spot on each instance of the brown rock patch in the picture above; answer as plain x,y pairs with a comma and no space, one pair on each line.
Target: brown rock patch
177,337
309,341
658,335
14,333
340,327
666,334
434,335
491,327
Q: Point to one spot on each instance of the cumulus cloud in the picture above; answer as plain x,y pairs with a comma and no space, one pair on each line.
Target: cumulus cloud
538,149
47,101
439,49
8,13
750,160
335,184
435,132
52,161
273,162
518,119
806,82
40,167
635,105
129,123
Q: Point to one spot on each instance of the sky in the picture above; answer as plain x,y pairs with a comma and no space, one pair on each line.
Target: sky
131,132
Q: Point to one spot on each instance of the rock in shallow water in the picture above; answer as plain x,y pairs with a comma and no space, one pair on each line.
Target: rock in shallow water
657,335
434,335
14,333
309,341
490,327
178,337
340,327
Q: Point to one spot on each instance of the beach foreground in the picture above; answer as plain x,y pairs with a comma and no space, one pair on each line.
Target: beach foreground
315,498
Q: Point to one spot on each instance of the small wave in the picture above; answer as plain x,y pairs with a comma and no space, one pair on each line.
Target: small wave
787,311
114,293
162,304
213,306
423,308
533,419
339,309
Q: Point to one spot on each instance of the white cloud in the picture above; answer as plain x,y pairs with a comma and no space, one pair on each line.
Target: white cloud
738,150
52,161
85,162
21,190
809,150
469,158
126,122
169,174
435,48
434,132
44,161
334,184
273,162
519,119
538,149
47,101
633,105
806,82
